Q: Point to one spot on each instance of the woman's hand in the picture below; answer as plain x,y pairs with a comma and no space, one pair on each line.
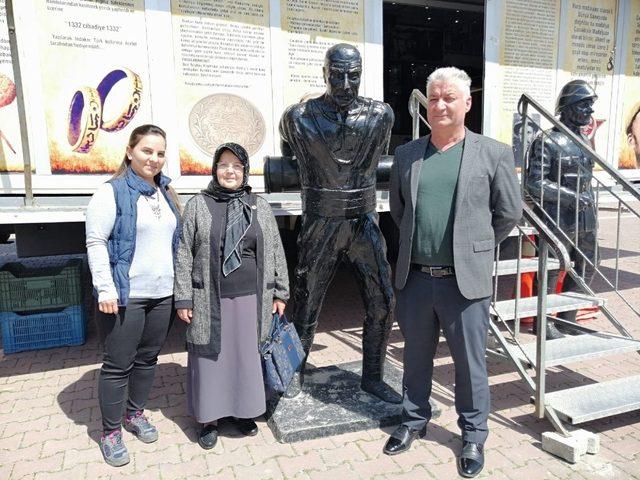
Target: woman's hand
278,306
108,306
185,314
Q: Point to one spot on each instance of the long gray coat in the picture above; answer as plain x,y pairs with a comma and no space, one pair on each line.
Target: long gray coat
487,206
197,282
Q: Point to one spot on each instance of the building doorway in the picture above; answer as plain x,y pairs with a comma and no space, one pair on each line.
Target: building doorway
422,35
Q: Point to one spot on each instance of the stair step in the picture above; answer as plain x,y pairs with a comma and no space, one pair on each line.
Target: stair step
557,302
527,265
575,348
526,230
598,400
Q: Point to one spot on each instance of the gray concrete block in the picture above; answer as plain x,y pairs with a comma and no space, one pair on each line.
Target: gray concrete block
593,440
569,448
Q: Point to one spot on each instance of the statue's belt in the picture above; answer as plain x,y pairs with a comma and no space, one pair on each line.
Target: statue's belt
339,203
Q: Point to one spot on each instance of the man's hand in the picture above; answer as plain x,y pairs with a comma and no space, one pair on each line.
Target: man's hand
108,306
278,306
185,314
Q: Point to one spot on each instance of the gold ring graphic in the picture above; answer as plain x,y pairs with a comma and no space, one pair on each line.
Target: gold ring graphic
85,115
126,114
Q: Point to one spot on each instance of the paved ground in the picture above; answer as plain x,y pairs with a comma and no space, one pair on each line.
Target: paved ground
49,418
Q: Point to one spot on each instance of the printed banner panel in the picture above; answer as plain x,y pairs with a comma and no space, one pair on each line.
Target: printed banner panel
10,144
630,88
94,66
223,79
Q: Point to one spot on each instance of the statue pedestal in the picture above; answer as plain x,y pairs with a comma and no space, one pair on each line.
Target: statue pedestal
332,403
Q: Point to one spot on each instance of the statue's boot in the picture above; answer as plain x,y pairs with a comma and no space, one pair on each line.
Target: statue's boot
568,329
295,387
380,389
552,332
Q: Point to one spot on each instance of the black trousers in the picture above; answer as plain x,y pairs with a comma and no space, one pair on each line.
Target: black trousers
322,244
133,339
423,306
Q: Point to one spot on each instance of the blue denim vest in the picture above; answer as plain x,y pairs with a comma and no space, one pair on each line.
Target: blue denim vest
122,242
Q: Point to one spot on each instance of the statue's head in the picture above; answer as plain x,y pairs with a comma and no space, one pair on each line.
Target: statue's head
575,103
342,71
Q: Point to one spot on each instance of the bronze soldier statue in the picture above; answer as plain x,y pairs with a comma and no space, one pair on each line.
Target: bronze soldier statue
559,178
338,140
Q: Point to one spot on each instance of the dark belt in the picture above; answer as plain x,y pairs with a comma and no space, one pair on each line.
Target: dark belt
339,203
434,271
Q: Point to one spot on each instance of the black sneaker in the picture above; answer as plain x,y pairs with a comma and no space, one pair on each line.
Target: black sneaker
208,436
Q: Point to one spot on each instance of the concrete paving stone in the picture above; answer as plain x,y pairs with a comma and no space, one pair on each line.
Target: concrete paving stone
5,470
268,470
22,455
89,455
261,453
522,453
14,425
443,453
27,405
35,465
191,450
10,393
345,438
291,466
10,443
79,471
47,436
416,473
419,454
340,472
441,471
383,465
348,453
195,467
218,459
373,449
316,444
156,456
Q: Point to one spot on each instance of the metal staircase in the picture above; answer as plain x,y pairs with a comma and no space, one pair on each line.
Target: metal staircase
533,359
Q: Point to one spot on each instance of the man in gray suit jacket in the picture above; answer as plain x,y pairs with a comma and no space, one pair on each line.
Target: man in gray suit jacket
454,196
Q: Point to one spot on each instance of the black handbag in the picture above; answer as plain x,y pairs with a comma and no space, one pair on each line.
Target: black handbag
281,355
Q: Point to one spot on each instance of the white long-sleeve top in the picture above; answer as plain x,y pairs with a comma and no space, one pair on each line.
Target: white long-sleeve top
151,272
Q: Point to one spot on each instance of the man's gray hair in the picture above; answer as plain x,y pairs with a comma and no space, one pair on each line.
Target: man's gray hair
451,75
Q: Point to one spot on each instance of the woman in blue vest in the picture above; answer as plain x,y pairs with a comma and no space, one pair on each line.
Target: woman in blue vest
231,276
132,226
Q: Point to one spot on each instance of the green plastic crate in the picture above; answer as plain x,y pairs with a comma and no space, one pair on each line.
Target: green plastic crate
30,289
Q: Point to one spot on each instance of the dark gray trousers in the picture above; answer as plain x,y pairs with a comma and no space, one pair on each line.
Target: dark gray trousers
133,339
423,306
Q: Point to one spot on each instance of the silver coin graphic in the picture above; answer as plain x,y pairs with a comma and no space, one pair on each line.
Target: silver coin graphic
224,117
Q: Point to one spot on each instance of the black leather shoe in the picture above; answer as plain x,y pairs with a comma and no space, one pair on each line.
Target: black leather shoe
295,387
401,439
208,436
380,389
246,426
471,459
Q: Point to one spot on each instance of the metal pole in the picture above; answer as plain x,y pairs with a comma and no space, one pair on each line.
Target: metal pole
22,116
541,337
523,153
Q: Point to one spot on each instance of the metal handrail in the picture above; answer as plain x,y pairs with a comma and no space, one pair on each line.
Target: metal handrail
526,100
523,106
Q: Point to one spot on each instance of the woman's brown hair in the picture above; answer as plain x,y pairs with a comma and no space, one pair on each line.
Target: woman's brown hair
134,138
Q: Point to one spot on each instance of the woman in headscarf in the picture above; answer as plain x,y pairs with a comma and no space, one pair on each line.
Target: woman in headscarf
231,276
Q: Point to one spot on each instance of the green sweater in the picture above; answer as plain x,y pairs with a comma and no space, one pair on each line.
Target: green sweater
435,205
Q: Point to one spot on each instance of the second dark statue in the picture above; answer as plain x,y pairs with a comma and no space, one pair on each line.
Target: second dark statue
338,140
559,178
